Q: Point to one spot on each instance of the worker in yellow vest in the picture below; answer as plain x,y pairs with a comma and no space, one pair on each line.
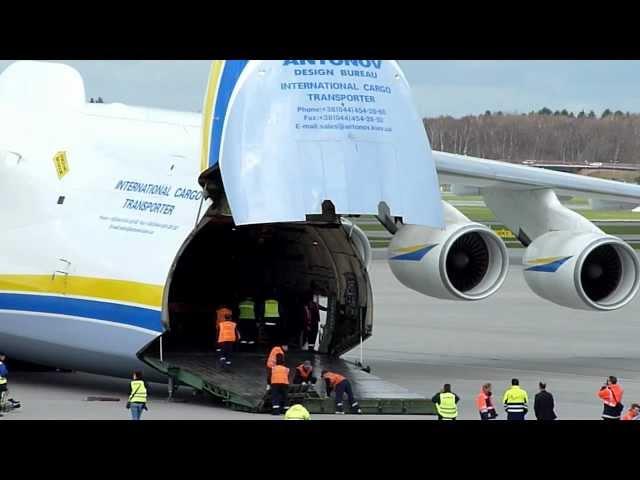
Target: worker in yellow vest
138,398
446,403
247,321
272,319
297,412
516,401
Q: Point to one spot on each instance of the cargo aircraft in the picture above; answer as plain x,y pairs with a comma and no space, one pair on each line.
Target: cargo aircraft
124,227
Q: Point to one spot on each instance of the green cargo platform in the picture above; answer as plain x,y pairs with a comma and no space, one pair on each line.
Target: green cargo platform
243,385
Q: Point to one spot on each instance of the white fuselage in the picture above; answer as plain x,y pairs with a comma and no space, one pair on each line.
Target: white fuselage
85,257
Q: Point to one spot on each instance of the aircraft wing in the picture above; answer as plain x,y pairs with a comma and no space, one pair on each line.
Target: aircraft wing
478,172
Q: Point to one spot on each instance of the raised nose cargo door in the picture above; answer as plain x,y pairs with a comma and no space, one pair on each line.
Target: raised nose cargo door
287,135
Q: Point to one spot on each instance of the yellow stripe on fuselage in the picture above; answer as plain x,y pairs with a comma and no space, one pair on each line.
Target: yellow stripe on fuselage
99,288
209,105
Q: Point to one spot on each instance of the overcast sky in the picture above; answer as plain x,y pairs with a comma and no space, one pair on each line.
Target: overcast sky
454,88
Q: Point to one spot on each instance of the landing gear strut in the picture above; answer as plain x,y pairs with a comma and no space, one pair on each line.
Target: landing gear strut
172,388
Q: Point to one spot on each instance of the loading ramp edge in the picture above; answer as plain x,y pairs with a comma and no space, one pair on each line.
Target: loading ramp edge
376,406
184,377
318,405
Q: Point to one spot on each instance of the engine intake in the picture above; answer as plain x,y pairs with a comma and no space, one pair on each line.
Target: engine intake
589,271
601,272
464,262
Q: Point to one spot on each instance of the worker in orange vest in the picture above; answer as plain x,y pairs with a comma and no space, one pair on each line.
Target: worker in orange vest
485,404
304,374
339,384
271,360
279,386
611,395
221,314
633,413
227,336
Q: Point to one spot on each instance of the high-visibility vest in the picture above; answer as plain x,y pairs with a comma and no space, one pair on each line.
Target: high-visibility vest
247,310
304,373
612,395
297,412
3,380
334,378
227,332
271,309
221,313
279,375
515,400
271,361
138,392
447,407
482,404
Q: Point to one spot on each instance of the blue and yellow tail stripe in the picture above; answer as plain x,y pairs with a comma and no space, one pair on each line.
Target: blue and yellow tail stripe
207,111
99,288
413,253
223,78
119,301
546,264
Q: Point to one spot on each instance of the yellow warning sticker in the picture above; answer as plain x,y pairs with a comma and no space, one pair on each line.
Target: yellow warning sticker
504,233
61,164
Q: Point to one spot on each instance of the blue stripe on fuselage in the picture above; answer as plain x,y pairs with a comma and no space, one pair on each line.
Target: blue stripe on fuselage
77,307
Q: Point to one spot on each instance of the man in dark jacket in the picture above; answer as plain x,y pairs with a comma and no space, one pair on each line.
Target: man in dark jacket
312,321
543,405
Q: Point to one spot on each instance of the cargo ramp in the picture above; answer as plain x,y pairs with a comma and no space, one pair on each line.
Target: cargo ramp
242,386
221,263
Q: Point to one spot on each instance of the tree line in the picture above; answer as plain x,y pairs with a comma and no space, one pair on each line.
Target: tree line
543,135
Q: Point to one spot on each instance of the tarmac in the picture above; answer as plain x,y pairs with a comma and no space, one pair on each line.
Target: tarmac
418,343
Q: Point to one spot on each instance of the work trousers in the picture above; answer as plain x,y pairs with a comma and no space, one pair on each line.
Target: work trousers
248,330
226,349
310,336
278,398
136,410
342,388
273,330
4,394
490,415
516,415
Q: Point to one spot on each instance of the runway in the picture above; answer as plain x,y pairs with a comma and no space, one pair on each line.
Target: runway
419,343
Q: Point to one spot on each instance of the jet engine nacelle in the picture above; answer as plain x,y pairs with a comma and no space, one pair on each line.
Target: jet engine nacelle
465,261
589,271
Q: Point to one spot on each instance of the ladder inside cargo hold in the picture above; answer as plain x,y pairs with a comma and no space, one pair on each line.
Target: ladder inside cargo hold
242,387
